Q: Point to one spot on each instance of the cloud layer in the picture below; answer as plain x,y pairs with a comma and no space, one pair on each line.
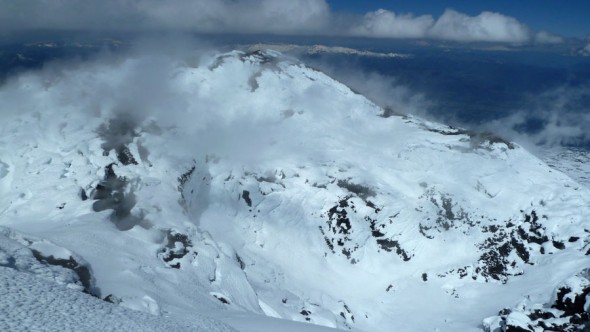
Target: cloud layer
386,24
558,117
261,16
452,26
486,26
276,16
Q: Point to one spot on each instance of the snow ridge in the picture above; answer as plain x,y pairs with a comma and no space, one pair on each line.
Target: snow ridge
249,184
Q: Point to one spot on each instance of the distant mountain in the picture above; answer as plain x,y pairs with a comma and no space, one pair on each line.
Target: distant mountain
244,184
319,49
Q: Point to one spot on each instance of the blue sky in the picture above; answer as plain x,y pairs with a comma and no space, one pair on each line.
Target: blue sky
569,18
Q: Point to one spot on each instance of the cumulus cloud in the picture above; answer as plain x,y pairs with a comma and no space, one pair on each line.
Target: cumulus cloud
387,24
486,27
544,37
261,16
451,25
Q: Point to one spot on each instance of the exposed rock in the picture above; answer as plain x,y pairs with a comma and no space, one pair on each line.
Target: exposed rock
113,193
569,311
176,247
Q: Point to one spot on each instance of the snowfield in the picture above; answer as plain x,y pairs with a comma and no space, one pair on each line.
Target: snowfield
256,191
35,296
573,162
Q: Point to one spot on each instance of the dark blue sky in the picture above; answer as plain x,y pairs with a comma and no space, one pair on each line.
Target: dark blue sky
569,18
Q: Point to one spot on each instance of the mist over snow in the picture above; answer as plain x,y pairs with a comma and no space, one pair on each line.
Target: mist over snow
139,89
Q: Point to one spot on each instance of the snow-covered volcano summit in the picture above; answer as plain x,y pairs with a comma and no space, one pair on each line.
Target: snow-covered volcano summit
247,183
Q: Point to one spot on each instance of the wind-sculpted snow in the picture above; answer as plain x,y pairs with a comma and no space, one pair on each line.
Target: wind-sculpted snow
46,261
573,162
248,183
42,288
29,303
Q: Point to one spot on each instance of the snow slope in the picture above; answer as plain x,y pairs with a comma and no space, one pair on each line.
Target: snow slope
30,304
247,184
39,297
571,161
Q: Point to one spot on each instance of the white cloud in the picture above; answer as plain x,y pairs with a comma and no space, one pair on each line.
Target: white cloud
485,27
383,23
452,26
544,37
